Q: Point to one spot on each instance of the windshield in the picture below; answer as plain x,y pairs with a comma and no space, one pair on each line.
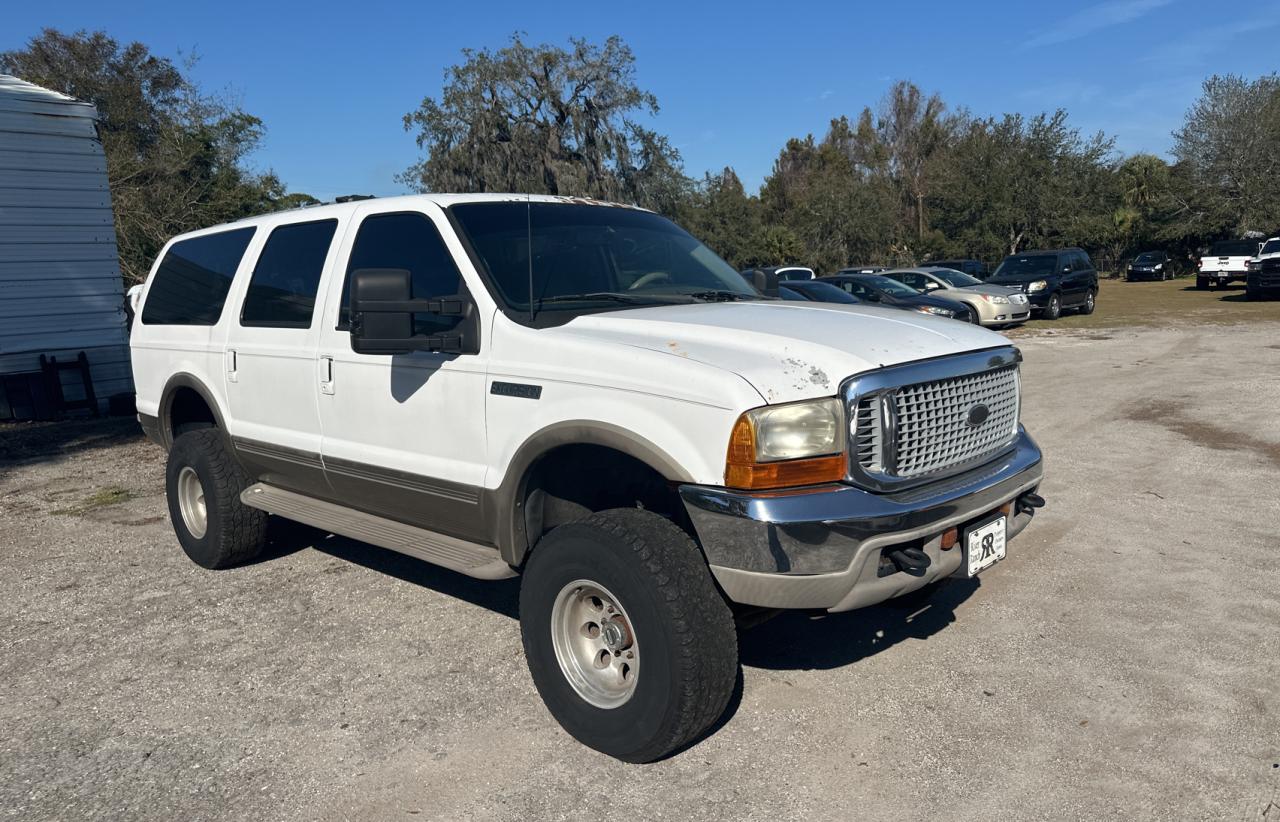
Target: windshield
823,292
1026,266
1234,248
888,286
1149,257
594,254
955,278
1271,247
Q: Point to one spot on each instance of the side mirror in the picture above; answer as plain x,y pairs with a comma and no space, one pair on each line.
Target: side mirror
931,286
766,282
382,309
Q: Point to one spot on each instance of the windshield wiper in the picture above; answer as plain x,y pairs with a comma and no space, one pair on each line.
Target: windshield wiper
602,295
721,296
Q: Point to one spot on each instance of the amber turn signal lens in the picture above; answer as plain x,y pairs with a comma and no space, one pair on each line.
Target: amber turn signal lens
742,471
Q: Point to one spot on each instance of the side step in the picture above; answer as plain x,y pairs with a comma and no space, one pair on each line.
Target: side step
472,559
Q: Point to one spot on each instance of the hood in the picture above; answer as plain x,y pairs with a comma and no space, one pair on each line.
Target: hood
785,350
995,290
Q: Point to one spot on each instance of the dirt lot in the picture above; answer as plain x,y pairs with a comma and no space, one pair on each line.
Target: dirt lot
1123,663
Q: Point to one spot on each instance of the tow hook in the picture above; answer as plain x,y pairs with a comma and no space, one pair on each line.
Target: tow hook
910,560
1029,502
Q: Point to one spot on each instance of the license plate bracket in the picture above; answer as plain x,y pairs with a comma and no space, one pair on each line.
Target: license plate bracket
984,545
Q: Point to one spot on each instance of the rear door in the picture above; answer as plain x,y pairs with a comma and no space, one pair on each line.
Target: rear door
1075,280
270,357
404,434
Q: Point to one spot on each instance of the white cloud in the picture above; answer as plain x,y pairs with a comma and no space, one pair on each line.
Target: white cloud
1095,18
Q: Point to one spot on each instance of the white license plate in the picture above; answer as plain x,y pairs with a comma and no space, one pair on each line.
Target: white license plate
984,546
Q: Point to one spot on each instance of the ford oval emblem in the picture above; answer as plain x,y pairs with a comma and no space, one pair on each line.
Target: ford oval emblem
978,415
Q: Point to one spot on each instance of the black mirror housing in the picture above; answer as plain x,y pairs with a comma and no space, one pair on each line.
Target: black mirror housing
382,309
766,282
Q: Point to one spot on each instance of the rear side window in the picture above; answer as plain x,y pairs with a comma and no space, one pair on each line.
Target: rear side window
282,291
410,241
190,286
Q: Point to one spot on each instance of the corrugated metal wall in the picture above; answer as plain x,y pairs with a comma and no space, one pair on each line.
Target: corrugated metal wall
60,285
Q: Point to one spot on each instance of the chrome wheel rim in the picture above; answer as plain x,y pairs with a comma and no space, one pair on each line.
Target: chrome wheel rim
191,502
594,644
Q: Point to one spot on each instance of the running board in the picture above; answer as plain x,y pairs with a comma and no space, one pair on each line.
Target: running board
472,559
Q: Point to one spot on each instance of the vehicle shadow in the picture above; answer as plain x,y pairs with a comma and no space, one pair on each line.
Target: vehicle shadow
801,640
285,538
809,640
792,640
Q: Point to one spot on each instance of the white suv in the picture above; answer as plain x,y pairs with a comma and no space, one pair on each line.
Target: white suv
583,394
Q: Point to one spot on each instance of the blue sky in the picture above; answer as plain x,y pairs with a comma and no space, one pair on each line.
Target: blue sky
332,80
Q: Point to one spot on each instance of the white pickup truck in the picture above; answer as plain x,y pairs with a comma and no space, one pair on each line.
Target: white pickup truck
1226,262
582,394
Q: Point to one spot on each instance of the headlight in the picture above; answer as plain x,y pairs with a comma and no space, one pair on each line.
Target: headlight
1254,266
995,299
1159,266
800,443
1038,285
933,309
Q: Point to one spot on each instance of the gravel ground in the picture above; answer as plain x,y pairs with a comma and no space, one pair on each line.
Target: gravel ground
1123,663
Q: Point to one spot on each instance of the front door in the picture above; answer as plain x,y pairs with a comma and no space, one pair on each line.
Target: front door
269,359
403,435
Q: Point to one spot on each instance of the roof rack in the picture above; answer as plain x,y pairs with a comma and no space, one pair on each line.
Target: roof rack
351,198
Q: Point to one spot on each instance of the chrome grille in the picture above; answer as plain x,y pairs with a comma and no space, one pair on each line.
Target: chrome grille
923,429
868,445
933,426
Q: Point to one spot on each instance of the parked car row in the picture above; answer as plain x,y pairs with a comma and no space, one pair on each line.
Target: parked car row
1044,282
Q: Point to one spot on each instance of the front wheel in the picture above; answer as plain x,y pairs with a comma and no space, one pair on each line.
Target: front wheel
1053,309
629,643
1090,302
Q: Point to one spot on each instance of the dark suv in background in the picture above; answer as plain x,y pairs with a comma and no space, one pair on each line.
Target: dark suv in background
1053,280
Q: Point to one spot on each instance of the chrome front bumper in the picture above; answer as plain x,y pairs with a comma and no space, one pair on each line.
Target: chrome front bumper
821,548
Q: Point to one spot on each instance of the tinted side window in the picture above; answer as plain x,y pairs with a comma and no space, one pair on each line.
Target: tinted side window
1082,262
917,281
282,291
410,241
191,284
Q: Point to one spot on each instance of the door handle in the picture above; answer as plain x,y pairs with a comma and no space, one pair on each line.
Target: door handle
232,376
325,364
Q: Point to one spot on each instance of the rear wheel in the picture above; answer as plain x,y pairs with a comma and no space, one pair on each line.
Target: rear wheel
1053,309
1202,283
1090,302
629,643
203,483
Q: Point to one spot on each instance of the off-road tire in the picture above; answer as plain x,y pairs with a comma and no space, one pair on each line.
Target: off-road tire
1090,302
1202,283
234,532
683,629
1053,308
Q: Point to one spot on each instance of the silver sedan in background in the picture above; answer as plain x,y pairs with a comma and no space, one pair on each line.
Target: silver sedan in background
991,305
